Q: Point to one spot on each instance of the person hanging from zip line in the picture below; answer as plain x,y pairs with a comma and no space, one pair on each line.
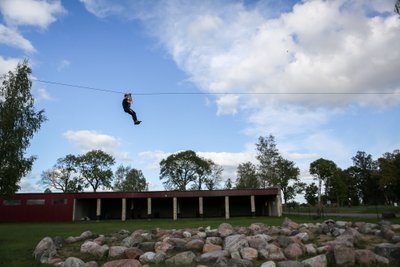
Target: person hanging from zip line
126,104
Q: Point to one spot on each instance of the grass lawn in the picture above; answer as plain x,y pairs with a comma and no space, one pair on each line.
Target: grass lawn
17,241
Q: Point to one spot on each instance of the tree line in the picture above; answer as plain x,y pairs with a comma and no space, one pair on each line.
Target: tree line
93,170
367,181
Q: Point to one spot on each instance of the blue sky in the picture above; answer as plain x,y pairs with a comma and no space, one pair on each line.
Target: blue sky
345,47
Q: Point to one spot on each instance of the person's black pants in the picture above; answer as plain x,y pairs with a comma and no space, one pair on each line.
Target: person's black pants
132,113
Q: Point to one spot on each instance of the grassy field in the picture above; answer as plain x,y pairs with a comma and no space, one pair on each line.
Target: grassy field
17,241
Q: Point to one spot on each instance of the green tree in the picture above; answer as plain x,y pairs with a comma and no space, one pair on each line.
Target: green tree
274,170
322,170
19,121
208,174
228,184
336,187
311,194
247,177
213,177
364,168
130,180
389,176
267,155
286,173
63,176
95,169
352,187
186,168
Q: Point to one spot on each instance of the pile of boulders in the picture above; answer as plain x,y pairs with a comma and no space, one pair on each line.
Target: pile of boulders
290,245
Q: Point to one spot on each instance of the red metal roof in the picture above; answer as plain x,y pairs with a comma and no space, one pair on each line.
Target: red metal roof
152,194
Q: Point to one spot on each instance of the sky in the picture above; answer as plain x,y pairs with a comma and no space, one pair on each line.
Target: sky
321,76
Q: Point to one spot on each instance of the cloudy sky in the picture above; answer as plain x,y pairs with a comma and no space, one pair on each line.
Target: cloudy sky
321,76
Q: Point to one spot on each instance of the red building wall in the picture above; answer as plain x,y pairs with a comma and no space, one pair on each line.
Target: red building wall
37,208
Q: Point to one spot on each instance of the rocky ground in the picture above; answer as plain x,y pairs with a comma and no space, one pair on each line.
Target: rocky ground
290,245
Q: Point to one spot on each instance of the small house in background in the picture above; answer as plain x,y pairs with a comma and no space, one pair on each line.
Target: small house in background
63,207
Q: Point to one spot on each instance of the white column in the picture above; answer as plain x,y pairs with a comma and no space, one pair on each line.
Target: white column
74,210
227,207
253,206
175,208
278,204
98,208
201,207
148,207
123,214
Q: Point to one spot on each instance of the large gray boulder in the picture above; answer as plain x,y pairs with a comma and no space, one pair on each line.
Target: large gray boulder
249,253
268,264
344,255
289,264
215,240
94,248
275,253
130,241
317,261
146,246
259,240
181,259
293,251
258,228
235,243
116,251
123,263
147,257
225,262
45,250
91,264
160,257
73,262
211,256
225,229
194,245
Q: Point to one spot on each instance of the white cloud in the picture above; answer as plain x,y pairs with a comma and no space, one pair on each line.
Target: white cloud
42,94
314,48
317,46
228,158
151,159
102,8
286,120
31,12
7,65
31,183
229,161
90,140
227,104
11,37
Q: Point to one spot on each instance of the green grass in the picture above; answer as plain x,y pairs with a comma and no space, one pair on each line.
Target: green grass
17,241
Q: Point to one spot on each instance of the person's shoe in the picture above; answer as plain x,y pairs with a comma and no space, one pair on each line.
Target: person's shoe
137,122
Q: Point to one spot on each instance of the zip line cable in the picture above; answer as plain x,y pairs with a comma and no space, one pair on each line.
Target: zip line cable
208,93
79,86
